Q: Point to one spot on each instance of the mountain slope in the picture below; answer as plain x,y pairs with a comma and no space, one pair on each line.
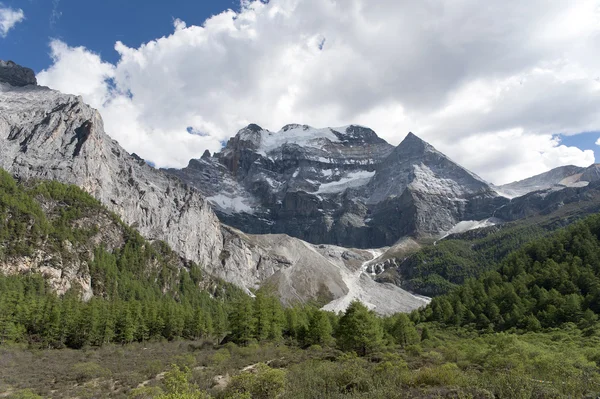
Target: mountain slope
547,283
563,176
341,186
77,245
437,268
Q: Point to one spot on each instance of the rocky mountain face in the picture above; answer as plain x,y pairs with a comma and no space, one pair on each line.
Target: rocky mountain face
561,177
45,134
342,186
49,135
56,231
550,191
16,75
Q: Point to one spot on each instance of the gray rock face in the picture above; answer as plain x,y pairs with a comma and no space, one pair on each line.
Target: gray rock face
16,75
49,135
340,186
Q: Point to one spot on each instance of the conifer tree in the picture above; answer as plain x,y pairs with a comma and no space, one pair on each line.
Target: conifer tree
242,321
319,329
359,330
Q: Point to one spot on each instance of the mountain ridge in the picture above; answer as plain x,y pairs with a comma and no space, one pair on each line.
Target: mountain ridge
336,185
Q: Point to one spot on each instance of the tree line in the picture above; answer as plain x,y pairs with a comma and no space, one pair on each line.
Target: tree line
143,291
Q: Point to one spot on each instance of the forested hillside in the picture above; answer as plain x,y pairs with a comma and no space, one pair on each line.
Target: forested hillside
549,282
437,268
75,275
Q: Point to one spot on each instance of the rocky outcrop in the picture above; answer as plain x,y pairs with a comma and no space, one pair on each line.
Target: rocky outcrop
67,266
16,75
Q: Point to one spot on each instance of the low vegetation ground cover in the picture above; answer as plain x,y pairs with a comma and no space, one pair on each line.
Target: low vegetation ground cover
447,363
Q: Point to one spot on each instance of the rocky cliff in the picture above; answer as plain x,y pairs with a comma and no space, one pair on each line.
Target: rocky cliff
49,135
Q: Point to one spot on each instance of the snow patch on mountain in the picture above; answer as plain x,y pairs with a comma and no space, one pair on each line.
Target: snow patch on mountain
467,225
352,180
302,135
230,204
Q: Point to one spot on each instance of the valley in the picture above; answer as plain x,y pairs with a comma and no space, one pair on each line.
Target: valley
289,264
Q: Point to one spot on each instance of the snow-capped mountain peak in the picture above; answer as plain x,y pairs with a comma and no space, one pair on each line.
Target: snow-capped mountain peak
335,185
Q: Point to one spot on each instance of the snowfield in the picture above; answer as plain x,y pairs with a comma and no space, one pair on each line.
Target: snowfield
230,204
301,135
352,180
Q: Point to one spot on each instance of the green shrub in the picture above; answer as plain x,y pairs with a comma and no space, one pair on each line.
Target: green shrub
262,382
88,371
445,375
24,394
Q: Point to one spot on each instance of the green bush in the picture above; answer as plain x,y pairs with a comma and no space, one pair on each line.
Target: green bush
88,371
24,394
262,382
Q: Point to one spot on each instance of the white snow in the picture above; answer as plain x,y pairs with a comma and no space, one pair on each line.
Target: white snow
352,180
467,225
233,204
301,135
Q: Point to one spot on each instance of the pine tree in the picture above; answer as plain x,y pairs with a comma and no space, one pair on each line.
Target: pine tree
276,319
404,330
359,330
219,322
242,321
262,316
319,329
425,333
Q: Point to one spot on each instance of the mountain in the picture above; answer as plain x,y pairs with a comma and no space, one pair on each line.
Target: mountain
342,186
563,176
45,134
49,135
290,207
435,269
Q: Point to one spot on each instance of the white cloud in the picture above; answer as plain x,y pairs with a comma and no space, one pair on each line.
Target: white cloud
9,17
490,86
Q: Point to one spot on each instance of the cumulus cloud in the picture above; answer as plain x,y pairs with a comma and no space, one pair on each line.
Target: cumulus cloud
490,86
9,17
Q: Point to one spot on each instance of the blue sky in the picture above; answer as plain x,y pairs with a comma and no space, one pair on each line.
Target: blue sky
97,25
489,86
585,141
